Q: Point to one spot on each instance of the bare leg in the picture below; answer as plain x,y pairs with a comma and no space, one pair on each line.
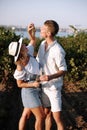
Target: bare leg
40,117
25,115
58,120
48,120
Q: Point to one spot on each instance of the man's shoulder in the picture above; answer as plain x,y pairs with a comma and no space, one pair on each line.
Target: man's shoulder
58,47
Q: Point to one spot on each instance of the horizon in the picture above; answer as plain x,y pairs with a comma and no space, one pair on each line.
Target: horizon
15,27
21,13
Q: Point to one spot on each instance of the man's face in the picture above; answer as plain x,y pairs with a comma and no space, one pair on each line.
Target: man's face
44,31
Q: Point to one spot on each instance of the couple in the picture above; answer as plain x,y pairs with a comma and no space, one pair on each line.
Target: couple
51,59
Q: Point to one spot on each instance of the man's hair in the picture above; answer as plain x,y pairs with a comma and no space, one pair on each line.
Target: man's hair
52,26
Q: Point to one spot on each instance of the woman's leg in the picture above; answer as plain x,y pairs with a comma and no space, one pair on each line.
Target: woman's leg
25,115
40,118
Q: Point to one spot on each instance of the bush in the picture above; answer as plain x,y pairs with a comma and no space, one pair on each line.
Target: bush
6,61
76,55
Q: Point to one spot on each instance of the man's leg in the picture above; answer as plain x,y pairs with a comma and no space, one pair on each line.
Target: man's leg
58,119
47,106
48,119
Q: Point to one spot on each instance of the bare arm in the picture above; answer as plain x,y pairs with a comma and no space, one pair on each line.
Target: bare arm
24,84
53,76
31,32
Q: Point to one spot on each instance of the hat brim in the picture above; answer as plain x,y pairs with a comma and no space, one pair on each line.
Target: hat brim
20,44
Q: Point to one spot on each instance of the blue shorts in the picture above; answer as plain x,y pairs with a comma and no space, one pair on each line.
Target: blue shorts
30,97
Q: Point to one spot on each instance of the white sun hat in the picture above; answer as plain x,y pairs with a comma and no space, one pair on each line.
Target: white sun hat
14,48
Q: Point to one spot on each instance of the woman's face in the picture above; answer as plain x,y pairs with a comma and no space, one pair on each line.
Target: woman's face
22,60
23,49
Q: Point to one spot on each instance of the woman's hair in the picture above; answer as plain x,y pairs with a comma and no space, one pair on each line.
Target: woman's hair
52,26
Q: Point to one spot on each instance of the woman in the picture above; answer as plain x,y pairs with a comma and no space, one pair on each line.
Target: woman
26,73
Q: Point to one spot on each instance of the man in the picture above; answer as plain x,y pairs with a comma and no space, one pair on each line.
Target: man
51,57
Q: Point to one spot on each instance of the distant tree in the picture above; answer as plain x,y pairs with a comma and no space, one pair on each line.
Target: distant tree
75,30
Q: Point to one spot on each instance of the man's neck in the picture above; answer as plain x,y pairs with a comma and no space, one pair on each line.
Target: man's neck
50,40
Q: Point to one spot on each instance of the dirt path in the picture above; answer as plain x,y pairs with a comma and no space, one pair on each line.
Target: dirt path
74,108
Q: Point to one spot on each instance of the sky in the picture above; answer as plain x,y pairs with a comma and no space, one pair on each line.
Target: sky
64,12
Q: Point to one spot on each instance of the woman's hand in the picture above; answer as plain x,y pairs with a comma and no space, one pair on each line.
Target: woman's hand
31,30
36,84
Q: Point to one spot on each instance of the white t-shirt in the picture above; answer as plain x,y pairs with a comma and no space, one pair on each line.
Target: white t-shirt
31,69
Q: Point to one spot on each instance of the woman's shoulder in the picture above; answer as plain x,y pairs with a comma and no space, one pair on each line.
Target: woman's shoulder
19,68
